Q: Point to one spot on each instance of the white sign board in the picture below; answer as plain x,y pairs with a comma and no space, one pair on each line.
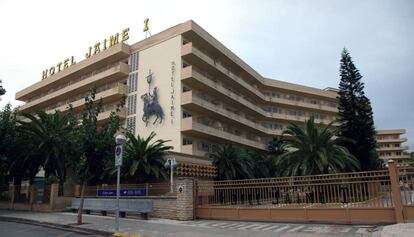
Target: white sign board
118,155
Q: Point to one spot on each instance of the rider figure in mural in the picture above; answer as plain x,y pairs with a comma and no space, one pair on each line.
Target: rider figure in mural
151,105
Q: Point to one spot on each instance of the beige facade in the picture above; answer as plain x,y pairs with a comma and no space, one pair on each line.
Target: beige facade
208,95
390,144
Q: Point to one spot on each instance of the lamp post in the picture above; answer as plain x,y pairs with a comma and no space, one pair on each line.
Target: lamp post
120,140
171,163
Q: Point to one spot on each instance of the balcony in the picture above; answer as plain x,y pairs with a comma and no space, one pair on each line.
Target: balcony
106,57
201,82
107,96
191,127
195,103
192,54
392,140
403,156
400,148
104,116
112,74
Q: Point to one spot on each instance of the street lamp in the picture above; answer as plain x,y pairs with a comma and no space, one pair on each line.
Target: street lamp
171,163
120,140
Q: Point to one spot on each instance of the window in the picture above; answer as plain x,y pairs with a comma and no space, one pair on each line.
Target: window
131,122
267,109
214,148
187,141
132,82
186,114
205,147
277,110
133,62
132,104
277,126
204,120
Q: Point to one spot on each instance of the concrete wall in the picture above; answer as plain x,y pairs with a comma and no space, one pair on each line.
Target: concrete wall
158,59
164,207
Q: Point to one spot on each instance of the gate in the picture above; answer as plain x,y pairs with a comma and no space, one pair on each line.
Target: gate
380,196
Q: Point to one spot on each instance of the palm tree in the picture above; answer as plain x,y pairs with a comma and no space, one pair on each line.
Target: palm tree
277,146
232,163
314,149
48,136
145,159
262,164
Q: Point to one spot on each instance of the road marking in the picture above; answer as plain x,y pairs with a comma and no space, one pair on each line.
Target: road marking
247,226
271,227
230,226
296,228
260,227
281,228
219,224
239,225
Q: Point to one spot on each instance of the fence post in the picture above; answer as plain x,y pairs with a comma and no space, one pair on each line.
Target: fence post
12,194
54,190
33,190
396,193
185,199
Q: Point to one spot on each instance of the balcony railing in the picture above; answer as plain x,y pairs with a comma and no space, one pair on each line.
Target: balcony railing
189,98
399,148
188,73
107,57
189,125
116,92
110,75
190,49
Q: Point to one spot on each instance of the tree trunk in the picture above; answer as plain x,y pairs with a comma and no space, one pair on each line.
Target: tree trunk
82,199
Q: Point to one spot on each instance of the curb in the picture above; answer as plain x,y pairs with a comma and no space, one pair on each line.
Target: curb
75,229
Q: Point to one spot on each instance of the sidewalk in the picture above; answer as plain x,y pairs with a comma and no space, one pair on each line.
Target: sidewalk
209,228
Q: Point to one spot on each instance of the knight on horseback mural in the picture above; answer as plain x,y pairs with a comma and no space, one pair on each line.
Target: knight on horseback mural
151,105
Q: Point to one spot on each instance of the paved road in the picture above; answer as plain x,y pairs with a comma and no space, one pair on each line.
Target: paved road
11,229
201,228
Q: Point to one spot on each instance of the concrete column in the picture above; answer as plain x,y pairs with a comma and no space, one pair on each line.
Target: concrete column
54,191
396,192
185,199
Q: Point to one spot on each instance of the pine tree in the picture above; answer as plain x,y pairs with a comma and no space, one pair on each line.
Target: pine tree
356,116
2,90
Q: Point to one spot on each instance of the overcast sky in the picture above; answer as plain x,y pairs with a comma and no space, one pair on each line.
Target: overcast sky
294,41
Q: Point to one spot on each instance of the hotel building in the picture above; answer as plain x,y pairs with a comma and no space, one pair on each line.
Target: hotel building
390,144
187,87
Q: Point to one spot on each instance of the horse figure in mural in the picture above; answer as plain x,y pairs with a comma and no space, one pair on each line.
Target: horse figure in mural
152,107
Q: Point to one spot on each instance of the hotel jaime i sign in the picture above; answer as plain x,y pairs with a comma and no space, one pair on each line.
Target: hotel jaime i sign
92,50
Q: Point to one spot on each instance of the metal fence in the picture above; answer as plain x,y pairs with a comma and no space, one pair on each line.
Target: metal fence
362,189
406,179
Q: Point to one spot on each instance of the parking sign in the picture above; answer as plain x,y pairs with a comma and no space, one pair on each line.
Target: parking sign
118,155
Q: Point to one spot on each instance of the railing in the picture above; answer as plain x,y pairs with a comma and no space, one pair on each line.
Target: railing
362,189
252,89
406,178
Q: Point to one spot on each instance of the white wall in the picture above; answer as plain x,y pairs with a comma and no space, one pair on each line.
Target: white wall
159,58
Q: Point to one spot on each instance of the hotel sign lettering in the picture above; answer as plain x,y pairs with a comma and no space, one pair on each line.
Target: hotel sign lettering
92,50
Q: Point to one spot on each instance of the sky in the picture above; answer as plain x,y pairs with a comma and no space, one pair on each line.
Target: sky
295,41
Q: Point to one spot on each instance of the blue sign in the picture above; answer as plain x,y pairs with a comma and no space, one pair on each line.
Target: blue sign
123,192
